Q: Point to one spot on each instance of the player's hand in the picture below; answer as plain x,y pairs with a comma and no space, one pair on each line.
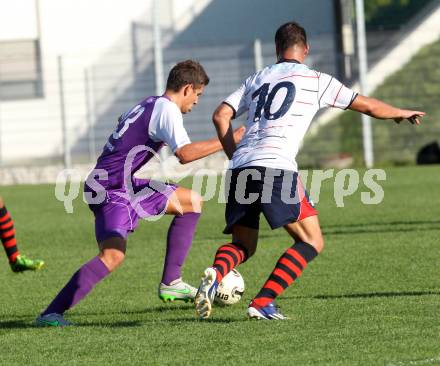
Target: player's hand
412,116
238,134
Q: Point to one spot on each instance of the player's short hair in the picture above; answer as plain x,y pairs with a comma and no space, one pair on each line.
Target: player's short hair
187,72
288,35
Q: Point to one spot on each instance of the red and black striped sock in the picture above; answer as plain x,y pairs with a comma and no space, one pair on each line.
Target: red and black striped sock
288,268
7,235
228,257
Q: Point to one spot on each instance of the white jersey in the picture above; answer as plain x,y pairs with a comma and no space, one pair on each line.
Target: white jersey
166,124
281,101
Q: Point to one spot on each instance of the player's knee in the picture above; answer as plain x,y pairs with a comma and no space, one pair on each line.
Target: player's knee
251,251
315,239
116,260
197,202
317,242
249,246
112,258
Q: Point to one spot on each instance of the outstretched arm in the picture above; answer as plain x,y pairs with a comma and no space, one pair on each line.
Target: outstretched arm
378,109
197,150
200,149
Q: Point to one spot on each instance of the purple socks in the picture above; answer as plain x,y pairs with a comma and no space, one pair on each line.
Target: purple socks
81,283
180,235
179,240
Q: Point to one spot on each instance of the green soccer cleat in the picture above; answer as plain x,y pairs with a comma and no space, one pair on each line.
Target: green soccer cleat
22,263
177,290
51,320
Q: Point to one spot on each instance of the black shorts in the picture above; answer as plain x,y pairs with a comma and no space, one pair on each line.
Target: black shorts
277,193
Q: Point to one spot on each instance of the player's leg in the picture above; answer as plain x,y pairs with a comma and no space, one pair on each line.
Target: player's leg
308,244
241,248
186,207
7,233
17,261
84,280
112,251
228,256
297,215
242,221
113,221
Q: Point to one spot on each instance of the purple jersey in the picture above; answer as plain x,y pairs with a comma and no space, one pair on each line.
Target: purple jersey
131,132
115,196
141,132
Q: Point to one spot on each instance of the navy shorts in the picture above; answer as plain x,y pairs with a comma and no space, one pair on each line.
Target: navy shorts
278,194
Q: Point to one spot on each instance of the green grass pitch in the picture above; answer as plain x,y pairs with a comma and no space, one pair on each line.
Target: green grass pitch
371,298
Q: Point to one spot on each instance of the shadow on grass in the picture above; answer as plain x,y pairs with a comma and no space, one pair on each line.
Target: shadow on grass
374,294
151,310
26,324
160,310
21,324
16,324
374,227
360,228
139,323
113,324
382,223
194,319
376,230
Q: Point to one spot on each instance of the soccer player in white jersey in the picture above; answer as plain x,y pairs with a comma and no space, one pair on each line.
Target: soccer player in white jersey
281,101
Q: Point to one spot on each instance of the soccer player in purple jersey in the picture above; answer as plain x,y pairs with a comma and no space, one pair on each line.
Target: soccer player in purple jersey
17,261
118,199
281,101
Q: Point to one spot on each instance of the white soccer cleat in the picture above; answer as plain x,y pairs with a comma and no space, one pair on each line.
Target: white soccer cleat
177,290
206,293
268,312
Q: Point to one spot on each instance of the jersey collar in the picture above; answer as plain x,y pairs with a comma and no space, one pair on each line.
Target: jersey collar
292,60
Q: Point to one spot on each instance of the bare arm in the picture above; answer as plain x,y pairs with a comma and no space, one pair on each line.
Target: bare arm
200,149
222,122
378,109
197,150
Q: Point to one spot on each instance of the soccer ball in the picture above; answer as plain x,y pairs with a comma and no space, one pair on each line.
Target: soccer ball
231,289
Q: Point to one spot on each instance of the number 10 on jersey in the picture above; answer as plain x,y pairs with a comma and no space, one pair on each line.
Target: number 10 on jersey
265,100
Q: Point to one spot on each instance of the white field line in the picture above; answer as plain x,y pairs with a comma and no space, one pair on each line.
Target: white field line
426,361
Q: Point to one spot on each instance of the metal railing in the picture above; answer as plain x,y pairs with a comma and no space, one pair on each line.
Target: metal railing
79,110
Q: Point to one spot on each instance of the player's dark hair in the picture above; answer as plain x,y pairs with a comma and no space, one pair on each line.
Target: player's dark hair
187,72
288,35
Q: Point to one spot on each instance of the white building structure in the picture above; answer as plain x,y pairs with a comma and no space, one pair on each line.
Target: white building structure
68,68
